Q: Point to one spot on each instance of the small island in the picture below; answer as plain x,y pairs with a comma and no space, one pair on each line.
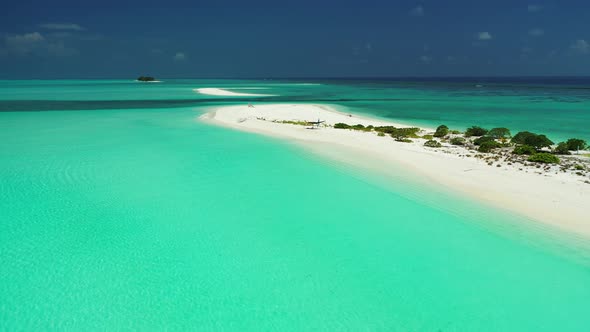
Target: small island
146,79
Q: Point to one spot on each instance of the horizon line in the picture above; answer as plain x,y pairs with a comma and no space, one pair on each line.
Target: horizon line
312,77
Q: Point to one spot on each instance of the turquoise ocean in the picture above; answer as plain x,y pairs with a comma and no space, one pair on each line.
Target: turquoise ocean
120,210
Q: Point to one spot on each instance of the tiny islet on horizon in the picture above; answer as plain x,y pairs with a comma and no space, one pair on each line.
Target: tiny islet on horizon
153,212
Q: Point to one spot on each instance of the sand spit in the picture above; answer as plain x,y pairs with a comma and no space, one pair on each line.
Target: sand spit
221,92
548,194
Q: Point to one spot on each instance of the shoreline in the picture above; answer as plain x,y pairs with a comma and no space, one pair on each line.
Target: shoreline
556,200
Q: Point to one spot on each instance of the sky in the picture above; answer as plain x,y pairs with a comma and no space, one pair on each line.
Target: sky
303,38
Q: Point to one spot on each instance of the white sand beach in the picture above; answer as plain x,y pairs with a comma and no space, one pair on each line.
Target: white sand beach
221,92
558,199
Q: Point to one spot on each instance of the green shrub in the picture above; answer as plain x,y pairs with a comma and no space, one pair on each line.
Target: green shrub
358,127
540,142
483,139
341,125
458,141
561,148
401,133
499,133
432,144
475,131
441,131
385,129
427,137
546,158
532,139
488,146
521,137
524,149
579,167
405,140
575,144
293,122
381,134
455,132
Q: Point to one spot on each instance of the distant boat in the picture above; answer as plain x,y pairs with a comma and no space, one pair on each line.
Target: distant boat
479,86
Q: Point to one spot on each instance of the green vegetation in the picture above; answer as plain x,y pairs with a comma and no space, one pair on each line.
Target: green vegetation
298,123
527,143
575,144
541,141
499,133
546,158
441,131
488,146
483,139
532,139
561,148
403,133
341,125
400,134
524,149
458,141
359,126
146,79
521,137
475,131
432,144
385,129
455,132
579,167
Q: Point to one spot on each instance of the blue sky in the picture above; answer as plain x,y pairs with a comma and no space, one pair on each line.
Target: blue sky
199,39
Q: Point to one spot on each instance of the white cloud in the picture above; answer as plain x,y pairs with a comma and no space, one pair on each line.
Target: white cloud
534,8
581,46
417,11
425,58
34,43
180,56
62,26
23,44
484,36
536,32
26,37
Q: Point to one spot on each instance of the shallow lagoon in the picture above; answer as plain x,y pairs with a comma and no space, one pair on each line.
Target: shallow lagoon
146,218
